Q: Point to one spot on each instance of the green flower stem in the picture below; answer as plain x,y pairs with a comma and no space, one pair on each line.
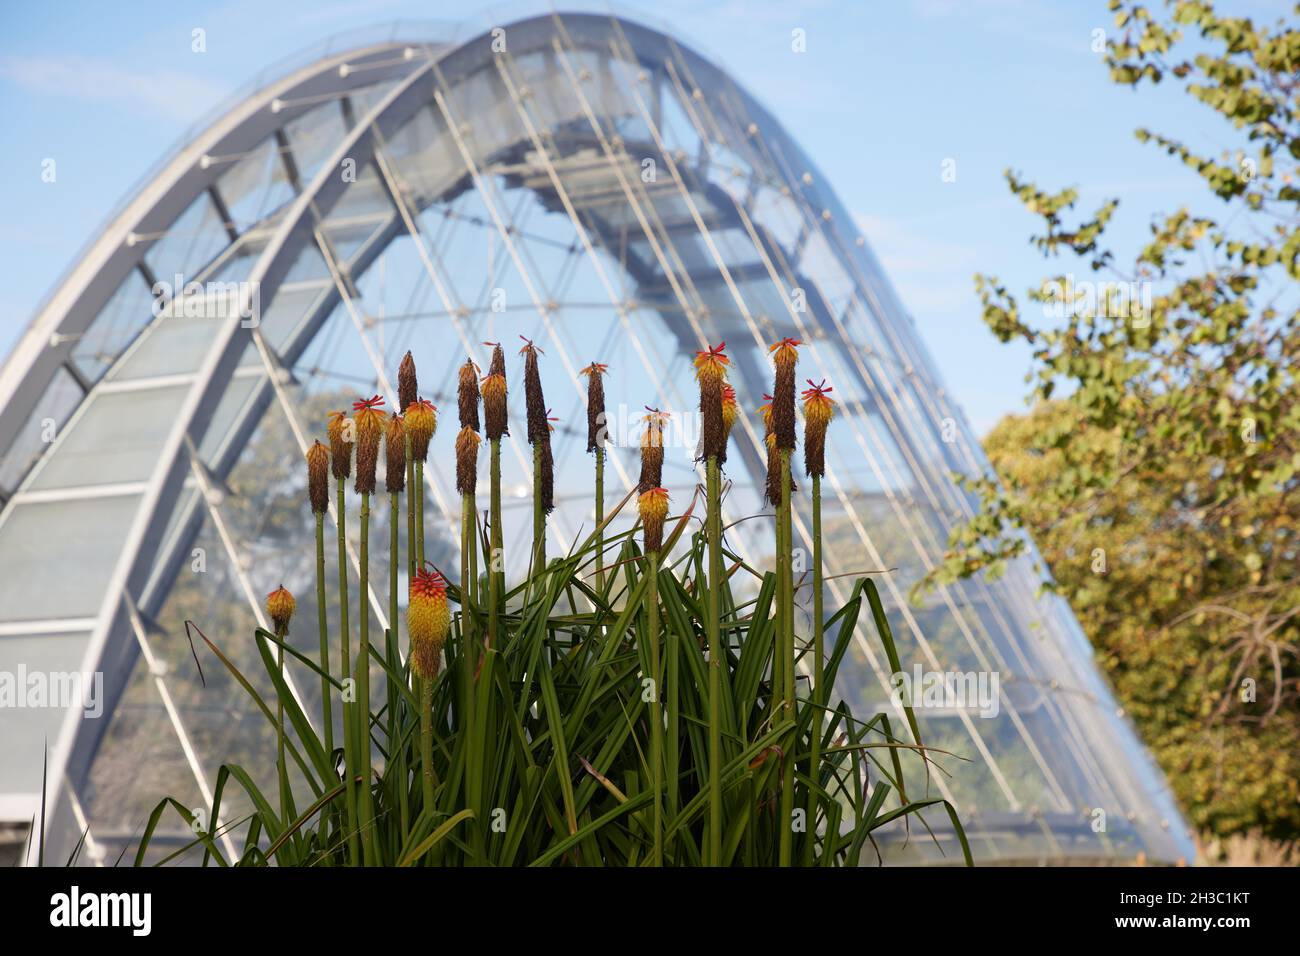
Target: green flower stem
393,655
469,654
496,559
322,621
411,497
287,811
349,758
600,520
427,776
713,485
672,750
656,705
785,613
819,691
417,490
539,516
361,668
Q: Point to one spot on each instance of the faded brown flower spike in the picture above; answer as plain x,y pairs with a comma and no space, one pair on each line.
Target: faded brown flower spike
395,454
467,395
407,389
711,371
318,478
494,395
370,427
652,450
534,401
342,432
467,443
596,432
785,355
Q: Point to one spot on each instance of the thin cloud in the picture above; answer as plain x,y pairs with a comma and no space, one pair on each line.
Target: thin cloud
932,275
167,92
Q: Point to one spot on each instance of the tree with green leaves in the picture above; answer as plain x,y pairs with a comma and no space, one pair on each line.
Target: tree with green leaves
1158,471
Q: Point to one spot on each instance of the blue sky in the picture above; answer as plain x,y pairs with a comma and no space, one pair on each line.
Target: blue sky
886,92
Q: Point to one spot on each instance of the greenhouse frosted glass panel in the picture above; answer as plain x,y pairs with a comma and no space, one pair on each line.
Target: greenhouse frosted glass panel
174,345
56,557
46,677
116,439
118,323
61,397
190,244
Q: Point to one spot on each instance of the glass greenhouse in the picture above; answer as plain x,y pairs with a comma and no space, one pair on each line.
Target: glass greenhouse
581,180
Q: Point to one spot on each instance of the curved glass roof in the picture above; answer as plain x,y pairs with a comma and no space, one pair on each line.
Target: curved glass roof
595,186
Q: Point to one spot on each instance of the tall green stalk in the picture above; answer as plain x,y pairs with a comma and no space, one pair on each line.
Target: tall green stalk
785,613
392,654
656,704
819,650
600,520
713,626
469,657
496,560
539,514
282,768
349,757
410,510
417,491
361,713
322,621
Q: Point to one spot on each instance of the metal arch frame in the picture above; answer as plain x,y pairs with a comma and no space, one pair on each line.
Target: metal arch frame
166,483
293,234
49,340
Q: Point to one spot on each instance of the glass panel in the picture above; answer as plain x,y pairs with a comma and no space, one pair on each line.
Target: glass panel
56,557
123,316
46,673
282,316
191,242
255,186
175,345
60,398
314,136
116,439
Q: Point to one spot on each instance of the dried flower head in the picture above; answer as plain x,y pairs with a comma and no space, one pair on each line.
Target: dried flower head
497,364
547,464
395,454
280,605
652,506
467,443
407,389
467,395
494,395
785,355
597,434
772,488
710,371
421,422
534,401
818,410
428,619
652,450
342,433
370,428
318,478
